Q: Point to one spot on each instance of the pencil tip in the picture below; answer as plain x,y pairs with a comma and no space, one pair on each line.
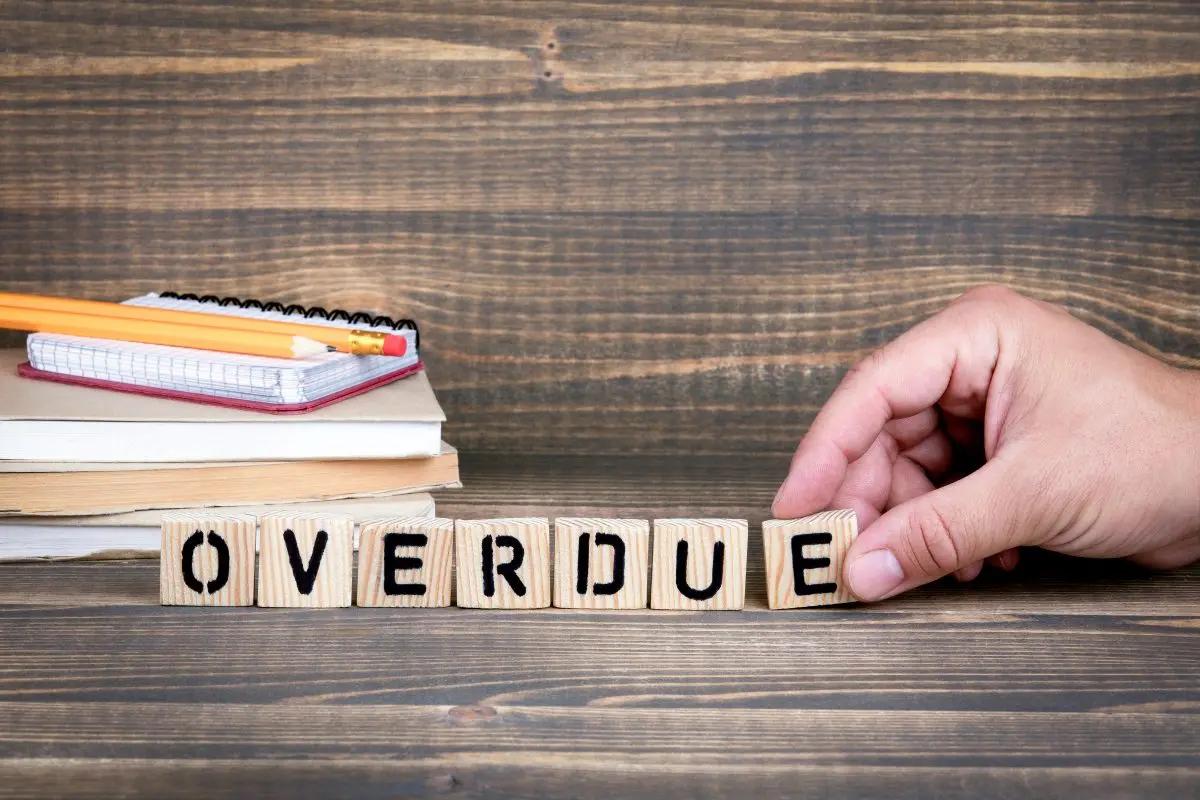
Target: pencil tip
303,347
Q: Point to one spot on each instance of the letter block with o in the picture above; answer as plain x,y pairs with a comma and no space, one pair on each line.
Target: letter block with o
503,563
405,562
699,564
804,559
305,561
601,563
207,560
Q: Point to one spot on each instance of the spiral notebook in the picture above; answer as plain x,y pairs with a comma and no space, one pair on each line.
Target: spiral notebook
276,385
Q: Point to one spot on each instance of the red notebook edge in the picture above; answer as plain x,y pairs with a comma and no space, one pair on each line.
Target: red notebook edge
27,370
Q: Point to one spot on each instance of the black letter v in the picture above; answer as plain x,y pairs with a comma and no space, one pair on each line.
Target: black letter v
305,576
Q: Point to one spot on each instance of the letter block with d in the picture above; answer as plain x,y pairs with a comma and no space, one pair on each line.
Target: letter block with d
207,560
699,564
601,563
503,563
804,559
305,561
405,562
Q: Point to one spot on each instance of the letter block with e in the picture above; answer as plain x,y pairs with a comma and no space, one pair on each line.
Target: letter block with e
405,562
207,560
503,563
601,563
305,561
699,564
804,559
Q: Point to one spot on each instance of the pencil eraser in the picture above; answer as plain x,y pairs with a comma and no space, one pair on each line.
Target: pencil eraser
394,345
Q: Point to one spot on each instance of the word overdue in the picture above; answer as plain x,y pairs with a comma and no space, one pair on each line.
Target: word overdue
307,561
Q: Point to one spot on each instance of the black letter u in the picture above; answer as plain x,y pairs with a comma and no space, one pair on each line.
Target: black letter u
718,572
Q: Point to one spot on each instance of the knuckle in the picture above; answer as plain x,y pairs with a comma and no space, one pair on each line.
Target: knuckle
862,369
992,294
932,542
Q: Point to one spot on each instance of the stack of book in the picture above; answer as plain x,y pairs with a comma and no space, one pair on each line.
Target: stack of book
98,437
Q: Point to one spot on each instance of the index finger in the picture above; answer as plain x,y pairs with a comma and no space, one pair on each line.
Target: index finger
952,349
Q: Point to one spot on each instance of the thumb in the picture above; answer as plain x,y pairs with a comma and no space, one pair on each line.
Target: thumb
937,533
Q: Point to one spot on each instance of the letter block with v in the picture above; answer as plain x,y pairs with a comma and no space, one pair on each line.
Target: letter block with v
699,564
207,560
305,561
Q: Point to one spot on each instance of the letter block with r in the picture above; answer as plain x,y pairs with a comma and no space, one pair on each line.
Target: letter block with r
503,563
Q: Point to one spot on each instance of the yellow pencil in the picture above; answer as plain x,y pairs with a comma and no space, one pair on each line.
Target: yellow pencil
344,339
228,340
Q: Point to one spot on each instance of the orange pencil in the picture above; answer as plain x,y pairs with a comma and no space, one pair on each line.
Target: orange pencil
344,339
228,340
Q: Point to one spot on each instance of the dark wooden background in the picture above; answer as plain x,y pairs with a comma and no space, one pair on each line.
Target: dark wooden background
624,227
643,240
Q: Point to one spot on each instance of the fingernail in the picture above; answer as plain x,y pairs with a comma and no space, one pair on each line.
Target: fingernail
872,575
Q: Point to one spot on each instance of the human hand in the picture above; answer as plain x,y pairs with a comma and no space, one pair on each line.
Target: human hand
1003,422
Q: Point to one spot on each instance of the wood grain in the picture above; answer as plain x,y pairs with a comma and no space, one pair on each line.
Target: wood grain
1065,677
518,574
487,777
711,553
622,226
785,570
435,572
654,228
602,563
323,552
921,656
235,532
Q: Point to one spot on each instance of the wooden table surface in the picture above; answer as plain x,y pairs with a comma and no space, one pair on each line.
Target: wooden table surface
643,240
1064,679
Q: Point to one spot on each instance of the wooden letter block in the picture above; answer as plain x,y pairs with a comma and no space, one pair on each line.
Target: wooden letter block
405,562
207,560
804,559
305,561
699,564
601,563
503,563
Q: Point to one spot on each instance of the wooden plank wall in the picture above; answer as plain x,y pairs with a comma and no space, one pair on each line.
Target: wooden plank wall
624,227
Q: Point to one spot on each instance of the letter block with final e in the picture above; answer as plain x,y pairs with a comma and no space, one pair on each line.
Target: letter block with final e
305,561
699,564
601,563
207,560
405,562
503,563
804,559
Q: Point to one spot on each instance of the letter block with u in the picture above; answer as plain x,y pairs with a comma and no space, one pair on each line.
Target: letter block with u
305,561
207,560
601,563
503,563
699,564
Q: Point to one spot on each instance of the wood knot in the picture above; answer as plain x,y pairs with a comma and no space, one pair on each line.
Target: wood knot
466,715
443,783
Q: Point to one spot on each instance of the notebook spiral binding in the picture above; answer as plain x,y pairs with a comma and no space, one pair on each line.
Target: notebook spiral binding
295,309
